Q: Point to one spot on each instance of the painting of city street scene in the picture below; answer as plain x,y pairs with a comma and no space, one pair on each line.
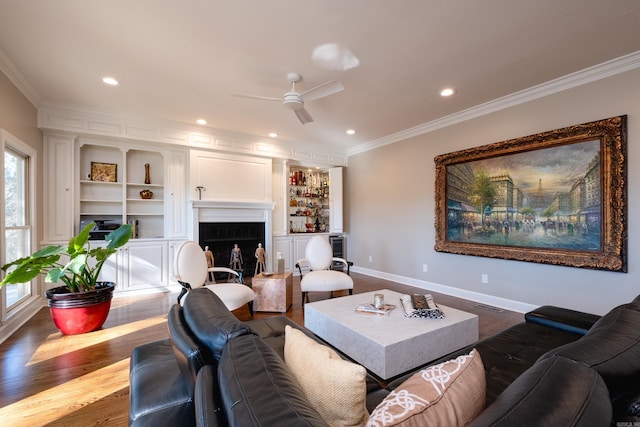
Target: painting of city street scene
557,197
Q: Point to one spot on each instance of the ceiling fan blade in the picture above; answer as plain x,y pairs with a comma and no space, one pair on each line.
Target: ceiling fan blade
263,98
325,89
303,116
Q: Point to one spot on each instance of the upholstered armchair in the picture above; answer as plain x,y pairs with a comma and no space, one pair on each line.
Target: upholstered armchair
316,272
191,271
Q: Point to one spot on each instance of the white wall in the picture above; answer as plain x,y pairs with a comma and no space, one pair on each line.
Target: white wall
389,207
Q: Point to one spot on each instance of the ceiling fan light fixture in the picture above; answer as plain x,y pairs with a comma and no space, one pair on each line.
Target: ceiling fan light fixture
334,56
292,101
351,132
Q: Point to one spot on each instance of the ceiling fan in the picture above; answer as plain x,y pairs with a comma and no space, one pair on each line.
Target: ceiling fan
294,100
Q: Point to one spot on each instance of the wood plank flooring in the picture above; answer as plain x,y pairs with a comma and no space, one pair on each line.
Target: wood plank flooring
48,379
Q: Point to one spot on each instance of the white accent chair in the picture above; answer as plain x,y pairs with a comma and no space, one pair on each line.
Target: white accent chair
191,271
315,270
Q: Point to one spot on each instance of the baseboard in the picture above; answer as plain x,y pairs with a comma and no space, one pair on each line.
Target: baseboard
507,304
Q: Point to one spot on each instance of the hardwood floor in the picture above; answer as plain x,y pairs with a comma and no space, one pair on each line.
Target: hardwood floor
48,379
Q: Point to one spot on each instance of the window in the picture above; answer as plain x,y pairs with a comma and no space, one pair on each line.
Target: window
17,218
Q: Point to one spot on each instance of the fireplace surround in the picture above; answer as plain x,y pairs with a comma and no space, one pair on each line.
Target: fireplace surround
220,225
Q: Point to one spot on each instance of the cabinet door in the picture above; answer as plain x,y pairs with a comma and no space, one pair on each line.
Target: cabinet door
335,200
111,271
173,246
177,201
145,265
58,195
299,247
283,245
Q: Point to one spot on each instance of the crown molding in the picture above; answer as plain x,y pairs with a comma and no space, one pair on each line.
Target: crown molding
17,78
88,121
597,72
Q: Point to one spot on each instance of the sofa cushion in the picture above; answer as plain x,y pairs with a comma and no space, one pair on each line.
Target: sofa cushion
553,392
335,387
258,388
448,394
611,347
158,390
210,321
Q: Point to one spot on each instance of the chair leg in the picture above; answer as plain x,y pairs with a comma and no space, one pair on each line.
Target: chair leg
251,308
304,297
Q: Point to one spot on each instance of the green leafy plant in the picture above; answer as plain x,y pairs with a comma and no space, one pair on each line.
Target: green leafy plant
80,266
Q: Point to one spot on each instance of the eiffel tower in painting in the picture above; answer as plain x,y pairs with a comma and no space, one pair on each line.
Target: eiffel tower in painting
537,200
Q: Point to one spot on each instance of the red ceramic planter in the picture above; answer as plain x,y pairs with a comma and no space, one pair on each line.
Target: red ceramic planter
80,312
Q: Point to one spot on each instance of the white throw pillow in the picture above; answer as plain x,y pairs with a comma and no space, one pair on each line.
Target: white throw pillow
335,387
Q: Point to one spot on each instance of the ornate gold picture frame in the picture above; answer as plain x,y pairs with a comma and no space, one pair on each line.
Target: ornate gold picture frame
104,172
557,197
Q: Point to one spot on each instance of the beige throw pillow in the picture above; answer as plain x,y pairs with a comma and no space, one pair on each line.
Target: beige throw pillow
449,394
335,387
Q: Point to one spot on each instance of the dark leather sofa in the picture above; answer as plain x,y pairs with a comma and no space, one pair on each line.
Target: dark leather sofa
557,368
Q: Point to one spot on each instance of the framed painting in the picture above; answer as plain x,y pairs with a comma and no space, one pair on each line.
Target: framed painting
105,172
557,197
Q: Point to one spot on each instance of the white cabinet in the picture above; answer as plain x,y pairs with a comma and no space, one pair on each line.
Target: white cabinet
136,265
283,245
144,265
59,185
292,249
173,247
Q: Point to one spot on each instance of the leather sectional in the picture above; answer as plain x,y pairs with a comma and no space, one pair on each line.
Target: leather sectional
557,367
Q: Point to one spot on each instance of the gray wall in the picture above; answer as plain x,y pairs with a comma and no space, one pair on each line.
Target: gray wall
19,117
389,207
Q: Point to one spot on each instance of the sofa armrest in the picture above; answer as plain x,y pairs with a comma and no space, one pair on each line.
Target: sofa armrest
553,392
565,319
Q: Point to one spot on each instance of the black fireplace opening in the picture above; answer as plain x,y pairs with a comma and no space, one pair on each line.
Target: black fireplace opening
221,237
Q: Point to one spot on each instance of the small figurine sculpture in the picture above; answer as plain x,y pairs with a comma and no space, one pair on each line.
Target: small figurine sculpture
236,258
210,262
260,259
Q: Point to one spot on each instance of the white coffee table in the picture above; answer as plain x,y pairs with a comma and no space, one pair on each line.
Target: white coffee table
389,345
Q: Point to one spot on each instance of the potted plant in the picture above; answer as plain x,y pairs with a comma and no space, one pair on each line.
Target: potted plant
83,303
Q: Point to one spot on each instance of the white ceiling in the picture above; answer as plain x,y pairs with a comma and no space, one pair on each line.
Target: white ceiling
181,60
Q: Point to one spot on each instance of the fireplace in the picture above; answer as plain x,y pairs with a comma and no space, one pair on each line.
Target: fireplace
221,225
221,237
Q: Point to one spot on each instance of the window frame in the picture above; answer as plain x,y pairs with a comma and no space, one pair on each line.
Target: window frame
14,144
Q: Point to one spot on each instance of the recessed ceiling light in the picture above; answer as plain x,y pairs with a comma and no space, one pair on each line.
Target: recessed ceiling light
110,81
447,91
351,132
201,121
273,135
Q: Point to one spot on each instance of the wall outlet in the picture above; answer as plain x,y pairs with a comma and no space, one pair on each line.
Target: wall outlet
370,258
484,278
425,267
